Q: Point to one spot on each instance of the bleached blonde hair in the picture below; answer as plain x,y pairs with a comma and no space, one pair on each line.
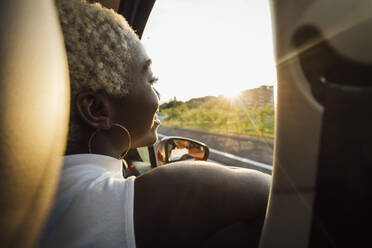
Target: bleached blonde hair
99,44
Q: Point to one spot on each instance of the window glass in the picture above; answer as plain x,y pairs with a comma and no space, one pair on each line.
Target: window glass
215,63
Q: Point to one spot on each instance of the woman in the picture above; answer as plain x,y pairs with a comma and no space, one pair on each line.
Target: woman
113,109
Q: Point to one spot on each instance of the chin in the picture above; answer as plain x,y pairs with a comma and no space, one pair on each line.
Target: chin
153,140
149,139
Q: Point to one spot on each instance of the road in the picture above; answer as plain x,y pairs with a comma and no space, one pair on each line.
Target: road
232,150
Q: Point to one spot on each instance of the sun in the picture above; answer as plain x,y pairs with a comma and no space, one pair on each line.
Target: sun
231,94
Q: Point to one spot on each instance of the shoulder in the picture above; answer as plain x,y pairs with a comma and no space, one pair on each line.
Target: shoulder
201,176
195,198
204,182
90,174
98,203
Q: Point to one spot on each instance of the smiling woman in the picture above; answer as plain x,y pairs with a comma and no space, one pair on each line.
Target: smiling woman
107,84
113,109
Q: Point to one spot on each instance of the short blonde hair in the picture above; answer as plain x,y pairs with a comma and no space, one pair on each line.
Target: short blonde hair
99,44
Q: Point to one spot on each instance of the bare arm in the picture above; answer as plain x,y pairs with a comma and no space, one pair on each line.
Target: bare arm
182,204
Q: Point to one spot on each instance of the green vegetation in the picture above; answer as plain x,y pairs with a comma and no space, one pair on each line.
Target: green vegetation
222,115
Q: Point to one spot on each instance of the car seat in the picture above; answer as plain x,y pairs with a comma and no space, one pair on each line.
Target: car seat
34,111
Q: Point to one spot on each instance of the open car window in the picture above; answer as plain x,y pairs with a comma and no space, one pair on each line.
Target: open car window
217,78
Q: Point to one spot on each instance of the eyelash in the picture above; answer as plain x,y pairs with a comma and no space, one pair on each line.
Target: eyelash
153,80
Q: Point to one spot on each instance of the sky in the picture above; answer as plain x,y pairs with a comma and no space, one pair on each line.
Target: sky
210,47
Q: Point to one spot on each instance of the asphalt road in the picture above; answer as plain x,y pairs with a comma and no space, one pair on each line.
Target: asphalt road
231,150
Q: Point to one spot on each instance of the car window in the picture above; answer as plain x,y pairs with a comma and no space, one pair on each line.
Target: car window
217,76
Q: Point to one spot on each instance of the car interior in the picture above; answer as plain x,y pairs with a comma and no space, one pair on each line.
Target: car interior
321,192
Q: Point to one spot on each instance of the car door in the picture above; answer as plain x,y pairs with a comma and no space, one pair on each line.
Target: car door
320,196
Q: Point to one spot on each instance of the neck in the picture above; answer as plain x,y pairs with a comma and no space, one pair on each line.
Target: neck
101,143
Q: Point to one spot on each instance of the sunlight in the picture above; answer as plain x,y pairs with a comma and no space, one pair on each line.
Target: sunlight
231,94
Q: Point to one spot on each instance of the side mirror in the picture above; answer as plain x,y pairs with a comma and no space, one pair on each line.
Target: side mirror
172,149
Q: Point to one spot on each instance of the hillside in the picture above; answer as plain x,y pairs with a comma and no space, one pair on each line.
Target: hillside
239,116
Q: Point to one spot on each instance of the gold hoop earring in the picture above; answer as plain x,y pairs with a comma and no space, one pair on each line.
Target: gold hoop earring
117,125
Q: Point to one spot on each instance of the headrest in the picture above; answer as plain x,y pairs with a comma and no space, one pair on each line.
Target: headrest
34,112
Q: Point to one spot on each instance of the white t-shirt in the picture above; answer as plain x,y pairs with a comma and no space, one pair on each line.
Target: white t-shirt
93,206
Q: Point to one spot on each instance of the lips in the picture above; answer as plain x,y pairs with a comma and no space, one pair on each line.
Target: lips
156,119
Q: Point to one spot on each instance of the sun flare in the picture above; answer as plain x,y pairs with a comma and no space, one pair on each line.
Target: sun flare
232,95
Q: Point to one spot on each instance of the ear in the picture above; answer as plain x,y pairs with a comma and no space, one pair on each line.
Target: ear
95,109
